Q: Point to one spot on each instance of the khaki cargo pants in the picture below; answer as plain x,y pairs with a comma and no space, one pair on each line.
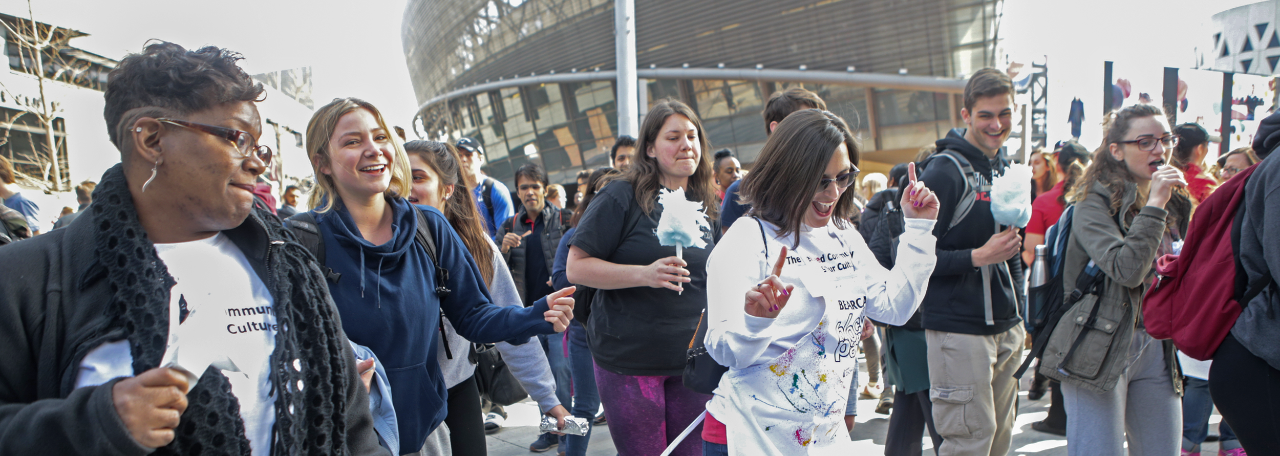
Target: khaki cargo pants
973,390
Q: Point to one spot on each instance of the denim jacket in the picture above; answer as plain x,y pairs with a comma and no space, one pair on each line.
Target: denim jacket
380,405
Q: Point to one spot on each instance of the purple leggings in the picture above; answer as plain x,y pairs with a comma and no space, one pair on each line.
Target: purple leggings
647,412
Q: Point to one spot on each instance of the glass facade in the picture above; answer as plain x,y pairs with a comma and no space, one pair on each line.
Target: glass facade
569,127
452,47
564,128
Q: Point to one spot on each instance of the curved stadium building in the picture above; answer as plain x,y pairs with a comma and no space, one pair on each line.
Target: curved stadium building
534,80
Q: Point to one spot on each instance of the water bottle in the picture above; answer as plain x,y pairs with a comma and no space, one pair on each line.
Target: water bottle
1040,268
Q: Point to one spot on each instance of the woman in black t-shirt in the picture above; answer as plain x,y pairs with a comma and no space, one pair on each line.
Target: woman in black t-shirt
648,301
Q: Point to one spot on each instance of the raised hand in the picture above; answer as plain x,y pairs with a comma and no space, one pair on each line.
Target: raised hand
917,200
1162,183
151,405
767,298
511,240
561,304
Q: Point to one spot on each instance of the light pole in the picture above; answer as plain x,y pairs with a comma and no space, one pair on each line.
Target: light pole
625,37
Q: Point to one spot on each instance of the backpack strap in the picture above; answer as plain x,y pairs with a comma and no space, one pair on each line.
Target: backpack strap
486,193
971,186
307,230
424,238
1088,282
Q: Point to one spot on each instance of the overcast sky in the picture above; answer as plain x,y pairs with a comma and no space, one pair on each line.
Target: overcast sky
355,49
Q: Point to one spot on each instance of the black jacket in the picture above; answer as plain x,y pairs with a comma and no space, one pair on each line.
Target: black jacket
1258,327
954,302
881,203
556,223
52,313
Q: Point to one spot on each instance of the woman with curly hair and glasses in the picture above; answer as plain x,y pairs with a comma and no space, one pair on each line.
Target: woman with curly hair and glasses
1118,383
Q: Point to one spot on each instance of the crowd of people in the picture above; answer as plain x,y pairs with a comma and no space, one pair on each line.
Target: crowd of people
179,311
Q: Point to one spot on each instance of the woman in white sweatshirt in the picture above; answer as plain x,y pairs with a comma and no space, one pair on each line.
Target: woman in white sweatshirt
786,304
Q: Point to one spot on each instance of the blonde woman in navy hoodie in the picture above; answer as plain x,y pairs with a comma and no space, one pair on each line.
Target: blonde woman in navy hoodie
384,283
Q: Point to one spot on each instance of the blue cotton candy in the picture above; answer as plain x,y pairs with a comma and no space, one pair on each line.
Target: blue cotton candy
682,220
1011,196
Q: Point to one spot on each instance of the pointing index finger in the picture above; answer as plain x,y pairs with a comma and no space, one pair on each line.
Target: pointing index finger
782,259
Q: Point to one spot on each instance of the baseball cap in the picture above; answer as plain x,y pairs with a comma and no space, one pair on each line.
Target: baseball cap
1193,134
470,145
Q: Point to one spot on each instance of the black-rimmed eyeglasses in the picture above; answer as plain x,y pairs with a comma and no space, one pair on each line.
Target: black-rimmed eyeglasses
241,139
1147,143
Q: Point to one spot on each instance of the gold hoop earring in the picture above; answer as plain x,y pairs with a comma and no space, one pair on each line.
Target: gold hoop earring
153,175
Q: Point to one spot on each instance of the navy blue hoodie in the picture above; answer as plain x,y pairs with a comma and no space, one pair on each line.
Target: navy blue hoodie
954,302
387,302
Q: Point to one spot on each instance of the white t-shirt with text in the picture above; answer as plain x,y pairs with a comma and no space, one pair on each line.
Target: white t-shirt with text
231,310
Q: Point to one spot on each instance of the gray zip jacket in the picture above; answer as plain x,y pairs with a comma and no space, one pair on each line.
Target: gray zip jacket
1124,248
527,361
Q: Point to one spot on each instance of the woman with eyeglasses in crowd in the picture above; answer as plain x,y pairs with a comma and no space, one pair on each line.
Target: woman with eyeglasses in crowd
1235,161
437,182
176,241
384,283
1118,383
648,300
786,304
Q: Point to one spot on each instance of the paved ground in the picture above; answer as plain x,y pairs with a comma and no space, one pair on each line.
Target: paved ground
868,435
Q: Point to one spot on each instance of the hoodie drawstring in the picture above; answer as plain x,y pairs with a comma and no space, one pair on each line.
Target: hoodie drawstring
380,280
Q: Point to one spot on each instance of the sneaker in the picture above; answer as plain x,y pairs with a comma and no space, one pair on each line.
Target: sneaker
1189,453
884,406
599,420
870,391
493,423
1235,452
545,442
1047,429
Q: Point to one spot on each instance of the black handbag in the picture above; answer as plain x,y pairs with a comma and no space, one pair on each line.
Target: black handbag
495,380
701,373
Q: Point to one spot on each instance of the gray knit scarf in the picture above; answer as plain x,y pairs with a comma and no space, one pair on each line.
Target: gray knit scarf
310,419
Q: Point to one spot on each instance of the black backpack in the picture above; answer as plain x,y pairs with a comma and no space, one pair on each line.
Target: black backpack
13,226
303,225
